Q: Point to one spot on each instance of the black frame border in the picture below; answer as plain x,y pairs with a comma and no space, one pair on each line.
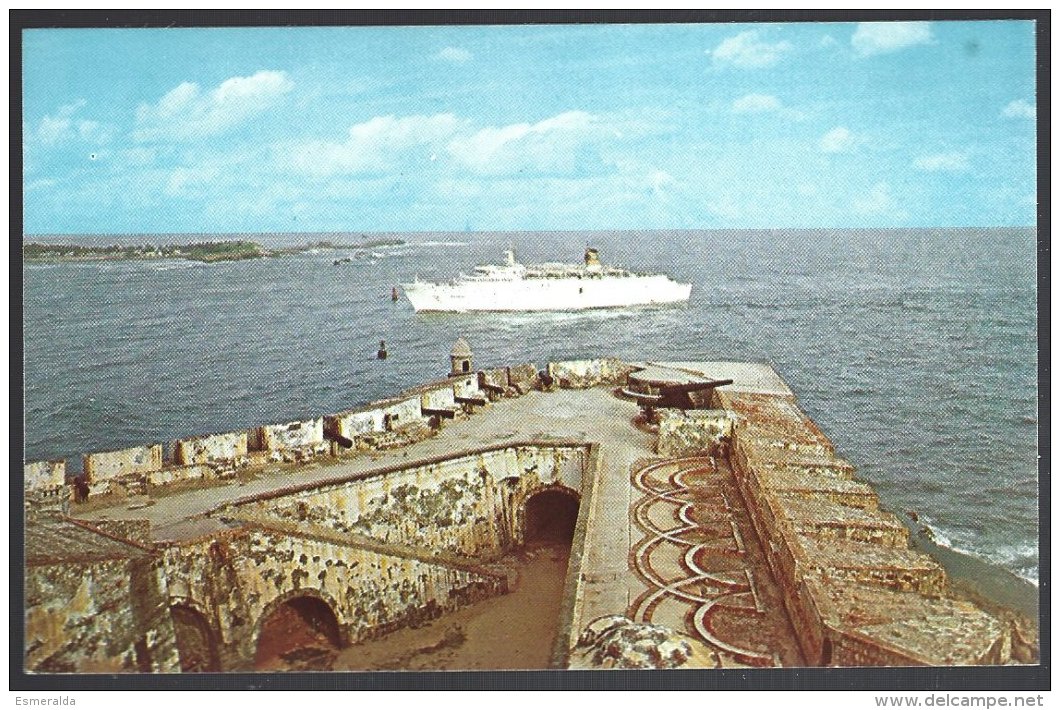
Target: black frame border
1004,678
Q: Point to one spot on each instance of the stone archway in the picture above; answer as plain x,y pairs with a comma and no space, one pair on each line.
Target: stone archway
300,630
551,516
196,640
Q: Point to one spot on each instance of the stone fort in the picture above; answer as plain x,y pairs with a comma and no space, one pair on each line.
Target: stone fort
711,525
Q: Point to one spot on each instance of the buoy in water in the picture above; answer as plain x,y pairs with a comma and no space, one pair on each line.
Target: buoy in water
381,354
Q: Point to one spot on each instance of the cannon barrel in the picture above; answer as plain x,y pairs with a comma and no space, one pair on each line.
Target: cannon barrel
693,386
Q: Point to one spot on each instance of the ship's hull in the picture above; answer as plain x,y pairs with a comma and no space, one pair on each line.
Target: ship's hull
545,294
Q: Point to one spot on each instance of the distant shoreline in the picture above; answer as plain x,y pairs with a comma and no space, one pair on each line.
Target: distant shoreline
205,252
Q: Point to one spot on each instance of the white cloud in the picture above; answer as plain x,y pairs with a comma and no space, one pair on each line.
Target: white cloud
878,201
184,179
567,144
457,55
554,145
63,126
747,51
872,38
374,146
186,112
955,161
661,181
1019,109
756,103
838,140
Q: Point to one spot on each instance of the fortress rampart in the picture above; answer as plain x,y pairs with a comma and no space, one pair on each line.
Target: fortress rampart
400,521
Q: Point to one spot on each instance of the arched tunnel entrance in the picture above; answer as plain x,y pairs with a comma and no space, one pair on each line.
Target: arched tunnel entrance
301,633
550,517
196,642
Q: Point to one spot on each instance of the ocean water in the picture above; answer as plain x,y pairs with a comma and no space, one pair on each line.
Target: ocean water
914,350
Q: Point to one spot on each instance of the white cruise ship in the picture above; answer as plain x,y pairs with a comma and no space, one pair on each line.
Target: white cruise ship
512,286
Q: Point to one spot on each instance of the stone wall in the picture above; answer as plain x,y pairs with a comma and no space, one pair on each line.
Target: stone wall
94,604
692,432
291,435
470,504
582,374
522,378
175,475
494,383
115,471
45,477
389,415
115,464
467,386
292,442
227,450
855,592
381,425
235,580
438,397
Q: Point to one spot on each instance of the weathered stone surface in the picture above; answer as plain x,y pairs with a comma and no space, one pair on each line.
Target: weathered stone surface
522,378
138,531
466,386
172,475
300,454
493,383
292,435
216,448
871,626
107,465
581,374
855,593
239,578
471,504
615,642
94,603
387,416
693,432
441,397
388,547
45,477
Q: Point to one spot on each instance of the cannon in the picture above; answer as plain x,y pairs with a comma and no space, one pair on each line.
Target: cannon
674,396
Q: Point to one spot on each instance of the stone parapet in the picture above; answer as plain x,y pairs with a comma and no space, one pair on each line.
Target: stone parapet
229,449
581,374
855,592
692,432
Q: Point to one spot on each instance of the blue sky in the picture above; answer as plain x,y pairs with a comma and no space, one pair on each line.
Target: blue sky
538,127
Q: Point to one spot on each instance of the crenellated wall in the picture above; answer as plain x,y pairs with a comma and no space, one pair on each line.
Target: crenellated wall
466,386
438,397
396,546
202,460
290,435
292,442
